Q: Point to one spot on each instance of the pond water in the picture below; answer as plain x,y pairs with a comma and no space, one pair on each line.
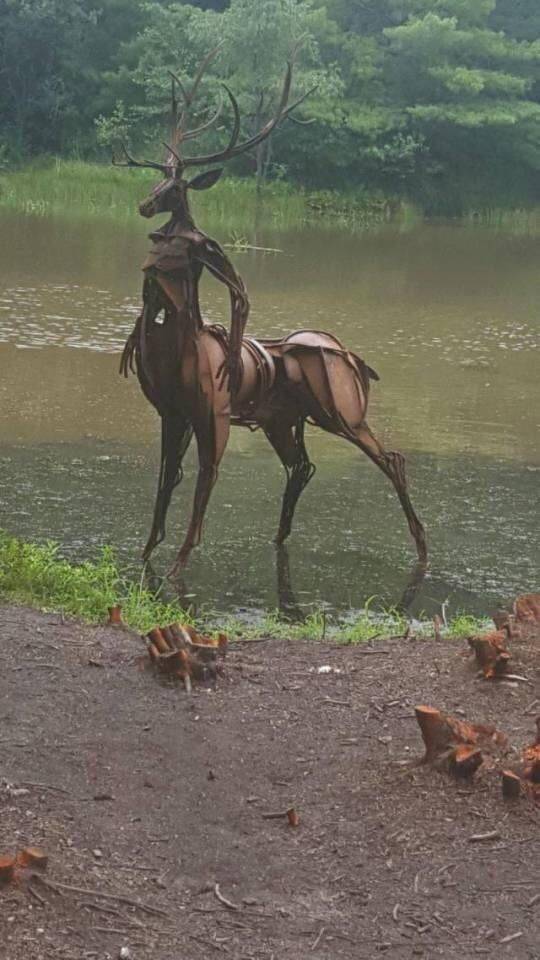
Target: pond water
448,316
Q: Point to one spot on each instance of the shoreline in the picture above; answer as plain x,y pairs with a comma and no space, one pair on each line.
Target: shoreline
37,577
82,189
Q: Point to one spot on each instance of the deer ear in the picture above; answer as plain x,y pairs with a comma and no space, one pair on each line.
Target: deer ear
205,180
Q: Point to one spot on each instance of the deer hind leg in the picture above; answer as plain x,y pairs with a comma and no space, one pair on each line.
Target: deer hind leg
212,433
393,465
288,442
176,435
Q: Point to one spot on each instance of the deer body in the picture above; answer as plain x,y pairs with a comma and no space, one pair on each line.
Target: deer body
201,379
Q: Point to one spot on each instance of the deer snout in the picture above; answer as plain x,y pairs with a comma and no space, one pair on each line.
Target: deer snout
147,208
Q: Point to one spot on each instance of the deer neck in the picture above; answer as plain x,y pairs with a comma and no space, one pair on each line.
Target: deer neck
181,219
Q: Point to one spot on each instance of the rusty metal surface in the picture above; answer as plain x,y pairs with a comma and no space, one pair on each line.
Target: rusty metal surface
201,378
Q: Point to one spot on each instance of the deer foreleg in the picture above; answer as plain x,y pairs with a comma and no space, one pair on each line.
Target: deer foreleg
212,433
176,434
211,255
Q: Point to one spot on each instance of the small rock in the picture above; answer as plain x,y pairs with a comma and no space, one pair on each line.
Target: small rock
97,853
125,953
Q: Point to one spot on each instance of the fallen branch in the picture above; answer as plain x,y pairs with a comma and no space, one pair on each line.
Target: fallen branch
484,837
58,887
223,900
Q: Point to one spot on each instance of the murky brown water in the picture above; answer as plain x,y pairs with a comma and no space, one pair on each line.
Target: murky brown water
448,316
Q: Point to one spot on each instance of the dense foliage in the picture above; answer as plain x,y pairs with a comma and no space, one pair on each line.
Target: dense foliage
436,100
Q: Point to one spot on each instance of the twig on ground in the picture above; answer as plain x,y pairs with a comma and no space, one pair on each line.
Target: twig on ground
318,939
334,703
512,936
209,943
44,786
481,837
37,896
59,887
223,900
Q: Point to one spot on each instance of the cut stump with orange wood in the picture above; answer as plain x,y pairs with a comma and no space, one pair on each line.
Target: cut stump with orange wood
531,758
524,619
511,785
181,652
7,868
525,778
32,857
454,743
115,615
491,653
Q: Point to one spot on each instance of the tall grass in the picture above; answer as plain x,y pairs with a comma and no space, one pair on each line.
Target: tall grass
519,222
74,188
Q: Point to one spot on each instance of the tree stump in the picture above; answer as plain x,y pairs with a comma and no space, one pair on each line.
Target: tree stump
180,651
7,868
32,857
491,653
454,743
511,785
531,758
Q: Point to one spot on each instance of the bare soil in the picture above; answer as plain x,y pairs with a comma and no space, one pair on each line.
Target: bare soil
141,792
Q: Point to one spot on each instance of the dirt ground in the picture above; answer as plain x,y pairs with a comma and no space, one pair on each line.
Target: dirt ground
139,792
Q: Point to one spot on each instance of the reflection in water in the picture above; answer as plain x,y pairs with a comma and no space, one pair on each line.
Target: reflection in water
287,603
447,316
480,514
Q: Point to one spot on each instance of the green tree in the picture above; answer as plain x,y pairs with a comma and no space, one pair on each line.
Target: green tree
39,45
257,36
467,90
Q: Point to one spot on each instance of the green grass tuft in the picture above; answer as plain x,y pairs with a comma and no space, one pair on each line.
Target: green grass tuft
36,575
465,625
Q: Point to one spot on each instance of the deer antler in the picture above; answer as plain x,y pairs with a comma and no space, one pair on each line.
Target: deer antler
233,149
131,162
179,132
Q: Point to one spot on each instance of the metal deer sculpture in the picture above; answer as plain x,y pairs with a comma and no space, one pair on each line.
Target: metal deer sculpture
201,379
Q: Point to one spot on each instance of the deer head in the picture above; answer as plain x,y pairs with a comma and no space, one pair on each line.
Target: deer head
170,195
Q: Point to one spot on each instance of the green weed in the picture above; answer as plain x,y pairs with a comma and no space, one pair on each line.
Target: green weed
465,625
36,575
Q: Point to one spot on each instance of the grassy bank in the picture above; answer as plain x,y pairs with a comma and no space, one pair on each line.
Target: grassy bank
95,190
37,576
